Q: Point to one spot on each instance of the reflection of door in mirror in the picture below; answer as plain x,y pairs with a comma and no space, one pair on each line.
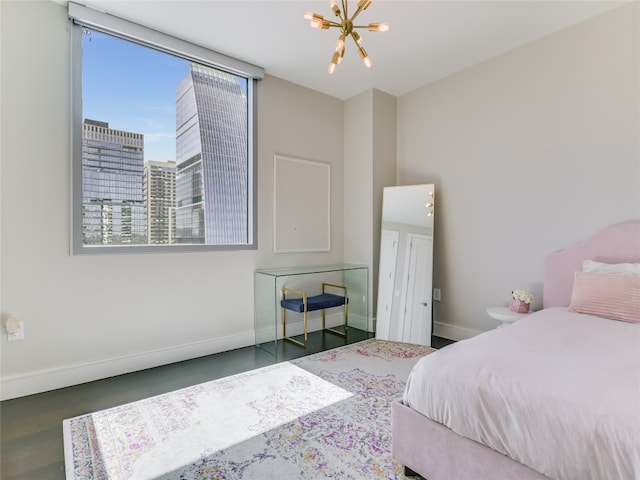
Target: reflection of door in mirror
404,310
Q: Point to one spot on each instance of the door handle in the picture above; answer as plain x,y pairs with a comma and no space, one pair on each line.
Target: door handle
425,304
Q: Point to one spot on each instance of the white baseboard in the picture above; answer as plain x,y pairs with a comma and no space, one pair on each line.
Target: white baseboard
50,379
20,385
453,332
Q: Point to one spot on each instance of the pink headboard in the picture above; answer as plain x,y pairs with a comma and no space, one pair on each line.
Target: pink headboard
619,243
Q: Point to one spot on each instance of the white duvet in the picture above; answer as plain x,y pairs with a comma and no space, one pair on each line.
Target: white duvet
556,391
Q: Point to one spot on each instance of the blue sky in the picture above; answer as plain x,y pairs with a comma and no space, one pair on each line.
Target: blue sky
132,88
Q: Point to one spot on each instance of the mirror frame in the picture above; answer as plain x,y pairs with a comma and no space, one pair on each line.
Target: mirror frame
405,275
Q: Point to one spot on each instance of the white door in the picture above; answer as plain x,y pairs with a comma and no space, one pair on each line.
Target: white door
417,304
386,281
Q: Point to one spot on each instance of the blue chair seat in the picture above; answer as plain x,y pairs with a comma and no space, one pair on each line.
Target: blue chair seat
317,302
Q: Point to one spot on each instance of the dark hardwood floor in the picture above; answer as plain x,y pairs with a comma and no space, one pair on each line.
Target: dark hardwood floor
439,342
31,444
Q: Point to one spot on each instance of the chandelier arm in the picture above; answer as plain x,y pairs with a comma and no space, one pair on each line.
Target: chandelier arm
357,12
345,4
316,16
373,27
331,23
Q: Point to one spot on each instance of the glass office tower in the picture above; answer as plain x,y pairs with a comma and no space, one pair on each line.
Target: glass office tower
160,200
113,211
211,158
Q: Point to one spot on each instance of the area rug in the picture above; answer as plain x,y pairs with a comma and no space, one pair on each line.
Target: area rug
322,416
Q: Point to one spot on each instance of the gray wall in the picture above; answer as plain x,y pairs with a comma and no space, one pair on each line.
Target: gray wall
530,152
370,147
91,316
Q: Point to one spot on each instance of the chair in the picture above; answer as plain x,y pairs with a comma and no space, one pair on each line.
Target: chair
305,304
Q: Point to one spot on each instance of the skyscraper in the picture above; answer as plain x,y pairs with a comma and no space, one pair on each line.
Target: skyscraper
211,158
160,200
113,211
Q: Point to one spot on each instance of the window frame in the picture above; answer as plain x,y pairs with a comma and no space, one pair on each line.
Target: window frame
84,17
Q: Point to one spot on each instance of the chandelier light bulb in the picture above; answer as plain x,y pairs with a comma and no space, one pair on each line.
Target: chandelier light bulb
364,56
320,23
317,21
334,61
340,43
335,8
378,27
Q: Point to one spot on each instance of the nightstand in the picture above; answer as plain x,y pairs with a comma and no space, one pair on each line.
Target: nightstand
505,315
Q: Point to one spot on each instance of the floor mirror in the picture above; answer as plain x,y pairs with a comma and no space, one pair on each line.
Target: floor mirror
405,280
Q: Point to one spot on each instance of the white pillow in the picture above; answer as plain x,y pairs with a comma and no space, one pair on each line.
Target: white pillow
599,267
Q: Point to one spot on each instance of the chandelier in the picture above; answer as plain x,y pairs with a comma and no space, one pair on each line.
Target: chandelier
347,29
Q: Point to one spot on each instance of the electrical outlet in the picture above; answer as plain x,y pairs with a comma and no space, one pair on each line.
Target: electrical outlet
17,335
437,295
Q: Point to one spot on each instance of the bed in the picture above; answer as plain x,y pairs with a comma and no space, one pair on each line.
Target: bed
555,395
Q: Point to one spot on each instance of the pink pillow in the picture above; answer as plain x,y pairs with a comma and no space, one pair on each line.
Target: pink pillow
608,295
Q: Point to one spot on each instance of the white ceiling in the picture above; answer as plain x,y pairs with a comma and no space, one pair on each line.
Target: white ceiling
427,39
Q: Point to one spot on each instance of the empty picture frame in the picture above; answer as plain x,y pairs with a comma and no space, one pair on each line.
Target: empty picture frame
301,205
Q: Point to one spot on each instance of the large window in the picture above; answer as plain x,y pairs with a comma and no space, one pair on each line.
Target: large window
163,134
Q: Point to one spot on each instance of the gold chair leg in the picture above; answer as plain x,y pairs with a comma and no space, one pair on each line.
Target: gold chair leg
304,316
345,310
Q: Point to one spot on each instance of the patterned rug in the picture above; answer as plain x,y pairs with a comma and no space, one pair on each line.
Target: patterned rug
322,416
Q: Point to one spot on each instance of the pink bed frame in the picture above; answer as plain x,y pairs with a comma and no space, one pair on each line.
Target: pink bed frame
619,243
437,453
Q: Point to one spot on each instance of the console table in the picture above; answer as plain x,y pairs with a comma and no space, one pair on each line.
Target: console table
268,285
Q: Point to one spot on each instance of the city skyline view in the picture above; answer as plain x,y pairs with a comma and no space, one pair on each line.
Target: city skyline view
164,150
133,89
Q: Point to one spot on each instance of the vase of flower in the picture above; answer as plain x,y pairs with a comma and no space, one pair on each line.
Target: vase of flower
519,306
521,301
